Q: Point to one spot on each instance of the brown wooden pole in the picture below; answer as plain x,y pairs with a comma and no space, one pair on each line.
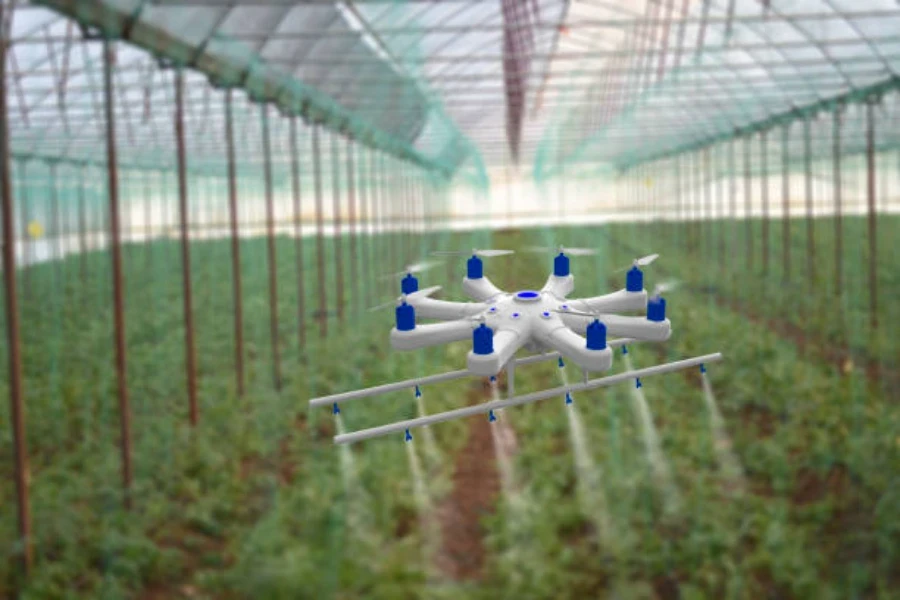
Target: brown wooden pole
351,223
236,289
118,283
320,234
13,339
298,237
337,240
873,231
189,349
270,244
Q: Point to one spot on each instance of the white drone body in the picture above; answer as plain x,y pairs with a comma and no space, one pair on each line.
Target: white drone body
498,324
536,321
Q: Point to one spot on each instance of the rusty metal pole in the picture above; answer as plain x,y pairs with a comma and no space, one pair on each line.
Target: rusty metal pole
235,246
351,222
838,209
870,194
320,234
190,352
785,202
270,246
118,285
298,238
13,341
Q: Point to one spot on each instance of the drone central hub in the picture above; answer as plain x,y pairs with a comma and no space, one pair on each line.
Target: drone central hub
527,296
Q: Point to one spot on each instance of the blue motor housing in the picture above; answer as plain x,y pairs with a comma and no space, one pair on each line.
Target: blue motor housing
656,309
409,284
474,268
596,335
634,280
406,317
561,265
483,340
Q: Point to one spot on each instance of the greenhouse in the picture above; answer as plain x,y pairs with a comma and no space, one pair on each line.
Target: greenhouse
612,286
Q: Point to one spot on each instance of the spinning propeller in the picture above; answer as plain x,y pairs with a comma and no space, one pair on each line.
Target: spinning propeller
423,293
475,251
562,250
413,268
639,262
665,286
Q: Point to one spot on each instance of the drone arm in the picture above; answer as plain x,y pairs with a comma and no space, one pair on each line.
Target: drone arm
506,343
429,308
621,301
480,289
431,335
638,328
559,286
556,334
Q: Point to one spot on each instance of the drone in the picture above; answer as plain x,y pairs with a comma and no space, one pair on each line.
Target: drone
546,323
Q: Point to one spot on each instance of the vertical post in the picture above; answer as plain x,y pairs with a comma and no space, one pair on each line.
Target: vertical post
298,237
16,393
320,234
337,240
365,217
748,201
351,219
873,240
118,286
838,209
236,289
270,246
810,225
190,353
785,202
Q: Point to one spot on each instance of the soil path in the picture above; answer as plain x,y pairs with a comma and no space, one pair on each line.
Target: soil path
476,487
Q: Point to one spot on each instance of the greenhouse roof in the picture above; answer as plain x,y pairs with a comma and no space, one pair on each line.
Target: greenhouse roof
545,82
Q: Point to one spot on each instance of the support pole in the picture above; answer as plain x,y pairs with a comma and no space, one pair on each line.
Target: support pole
748,202
351,221
810,224
298,238
336,223
235,246
190,353
322,314
118,285
870,194
13,340
785,202
270,246
82,228
838,208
